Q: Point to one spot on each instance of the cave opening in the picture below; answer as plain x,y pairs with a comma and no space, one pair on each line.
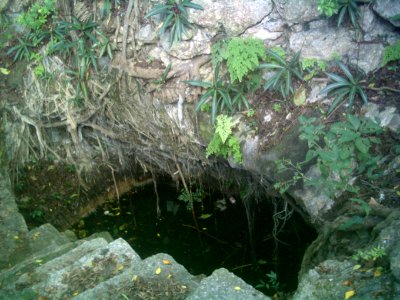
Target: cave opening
215,234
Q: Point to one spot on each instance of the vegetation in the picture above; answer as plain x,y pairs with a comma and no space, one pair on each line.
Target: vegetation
174,17
285,70
190,197
370,255
344,88
313,67
341,7
224,143
392,53
343,151
217,91
242,56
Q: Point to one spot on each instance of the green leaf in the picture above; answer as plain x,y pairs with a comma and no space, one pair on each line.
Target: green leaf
354,120
299,97
361,145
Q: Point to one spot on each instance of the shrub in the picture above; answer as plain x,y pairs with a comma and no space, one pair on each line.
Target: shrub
392,53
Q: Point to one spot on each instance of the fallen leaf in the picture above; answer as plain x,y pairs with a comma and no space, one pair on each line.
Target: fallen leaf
356,267
205,216
169,276
75,294
120,267
349,294
134,277
166,262
158,235
347,283
39,261
184,287
49,168
299,97
4,71
158,271
237,288
378,272
16,237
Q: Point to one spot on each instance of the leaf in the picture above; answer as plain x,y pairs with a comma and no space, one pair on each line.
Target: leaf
349,294
4,71
158,271
361,145
237,288
134,278
299,97
378,272
356,267
205,216
166,262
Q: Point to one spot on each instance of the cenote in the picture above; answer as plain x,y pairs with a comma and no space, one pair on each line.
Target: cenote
220,236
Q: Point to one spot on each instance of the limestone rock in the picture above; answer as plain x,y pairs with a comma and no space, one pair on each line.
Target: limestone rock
389,116
299,11
387,9
146,35
222,285
322,41
232,16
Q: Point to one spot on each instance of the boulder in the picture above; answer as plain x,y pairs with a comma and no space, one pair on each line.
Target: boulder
231,16
299,11
388,9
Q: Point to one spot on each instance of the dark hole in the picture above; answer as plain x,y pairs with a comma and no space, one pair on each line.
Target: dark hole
223,240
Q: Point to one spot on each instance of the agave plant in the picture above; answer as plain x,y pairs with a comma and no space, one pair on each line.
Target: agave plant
351,8
285,71
218,92
23,50
174,17
344,88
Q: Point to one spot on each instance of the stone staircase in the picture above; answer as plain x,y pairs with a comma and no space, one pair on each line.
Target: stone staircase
44,263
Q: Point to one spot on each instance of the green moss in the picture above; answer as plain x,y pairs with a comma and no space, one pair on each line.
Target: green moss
392,53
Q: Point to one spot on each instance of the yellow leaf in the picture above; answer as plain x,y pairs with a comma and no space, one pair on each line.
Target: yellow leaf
120,267
49,168
166,262
300,96
356,267
158,235
237,288
184,287
16,237
134,277
75,294
349,294
169,276
158,271
39,261
4,71
378,272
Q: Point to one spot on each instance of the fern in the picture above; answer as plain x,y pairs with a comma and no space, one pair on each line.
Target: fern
392,53
243,56
224,143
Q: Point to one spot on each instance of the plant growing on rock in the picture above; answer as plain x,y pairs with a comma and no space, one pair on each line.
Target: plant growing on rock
174,16
343,7
392,53
224,143
242,56
343,152
344,88
218,92
285,70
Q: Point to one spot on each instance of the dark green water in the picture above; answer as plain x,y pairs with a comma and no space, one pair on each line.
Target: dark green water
222,242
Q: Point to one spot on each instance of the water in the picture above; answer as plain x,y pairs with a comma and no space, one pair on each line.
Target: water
223,239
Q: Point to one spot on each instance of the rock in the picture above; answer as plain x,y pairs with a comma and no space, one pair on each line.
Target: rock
299,11
323,41
146,35
395,262
315,94
315,200
46,236
223,284
199,44
270,29
388,117
368,57
233,16
387,9
374,28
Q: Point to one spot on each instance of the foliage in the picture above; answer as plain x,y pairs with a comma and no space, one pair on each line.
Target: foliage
224,143
344,88
370,255
312,66
218,52
174,16
328,7
277,107
191,197
343,7
218,92
164,75
38,15
37,214
346,152
23,50
243,55
284,72
271,283
392,53
4,71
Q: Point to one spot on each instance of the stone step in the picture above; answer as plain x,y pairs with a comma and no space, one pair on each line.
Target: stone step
156,277
46,236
